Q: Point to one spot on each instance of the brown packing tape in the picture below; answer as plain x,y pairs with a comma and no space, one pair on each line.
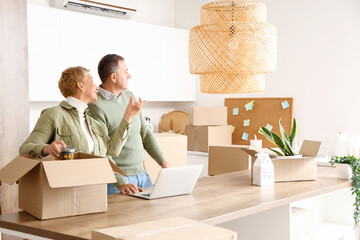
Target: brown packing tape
115,168
196,139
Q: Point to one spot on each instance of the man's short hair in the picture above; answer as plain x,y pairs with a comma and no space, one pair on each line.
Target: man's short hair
107,65
69,78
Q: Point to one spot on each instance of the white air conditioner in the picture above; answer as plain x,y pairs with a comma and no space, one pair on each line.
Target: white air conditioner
113,8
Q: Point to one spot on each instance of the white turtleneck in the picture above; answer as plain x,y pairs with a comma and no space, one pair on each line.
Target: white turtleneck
80,107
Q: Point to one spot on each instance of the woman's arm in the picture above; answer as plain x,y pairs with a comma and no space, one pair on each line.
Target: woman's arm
41,135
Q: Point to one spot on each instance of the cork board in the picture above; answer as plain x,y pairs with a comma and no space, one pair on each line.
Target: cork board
264,111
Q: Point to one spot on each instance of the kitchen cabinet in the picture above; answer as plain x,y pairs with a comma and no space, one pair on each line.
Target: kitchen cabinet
157,56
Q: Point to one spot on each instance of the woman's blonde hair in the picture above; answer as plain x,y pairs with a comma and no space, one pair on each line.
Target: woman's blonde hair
69,78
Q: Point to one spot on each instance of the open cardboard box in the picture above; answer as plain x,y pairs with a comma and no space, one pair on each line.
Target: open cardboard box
227,158
170,228
292,168
50,188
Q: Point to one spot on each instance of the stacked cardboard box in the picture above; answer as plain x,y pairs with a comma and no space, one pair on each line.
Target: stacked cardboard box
174,149
170,228
51,188
208,126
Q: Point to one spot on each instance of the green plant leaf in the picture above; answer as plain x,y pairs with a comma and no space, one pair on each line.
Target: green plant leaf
279,142
288,148
264,131
285,139
293,132
278,153
354,163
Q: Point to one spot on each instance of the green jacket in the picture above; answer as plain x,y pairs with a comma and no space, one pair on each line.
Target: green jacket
62,123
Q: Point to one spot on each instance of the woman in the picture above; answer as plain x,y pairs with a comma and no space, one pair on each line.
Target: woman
70,124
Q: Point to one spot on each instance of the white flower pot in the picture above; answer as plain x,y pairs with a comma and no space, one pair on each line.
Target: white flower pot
343,170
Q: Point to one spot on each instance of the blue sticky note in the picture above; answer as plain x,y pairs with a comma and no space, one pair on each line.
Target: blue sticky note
235,111
269,127
246,122
245,136
285,104
249,106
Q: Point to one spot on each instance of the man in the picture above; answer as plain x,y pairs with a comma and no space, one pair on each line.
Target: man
112,102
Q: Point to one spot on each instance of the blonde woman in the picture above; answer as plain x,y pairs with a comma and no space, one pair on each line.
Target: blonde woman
70,123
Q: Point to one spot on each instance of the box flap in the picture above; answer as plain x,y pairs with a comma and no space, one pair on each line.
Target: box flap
68,173
249,151
309,148
115,168
252,151
17,168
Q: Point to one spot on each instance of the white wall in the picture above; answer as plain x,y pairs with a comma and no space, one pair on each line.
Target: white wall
158,12
318,64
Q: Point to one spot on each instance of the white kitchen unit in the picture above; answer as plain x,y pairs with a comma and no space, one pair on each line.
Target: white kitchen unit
199,158
157,56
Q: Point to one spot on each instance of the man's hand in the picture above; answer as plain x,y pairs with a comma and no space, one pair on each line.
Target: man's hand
164,165
133,108
129,188
54,148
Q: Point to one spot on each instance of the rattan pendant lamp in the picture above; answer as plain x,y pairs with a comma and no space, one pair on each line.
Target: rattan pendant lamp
233,47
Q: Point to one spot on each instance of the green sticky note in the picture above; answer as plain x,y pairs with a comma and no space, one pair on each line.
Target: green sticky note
285,104
235,111
246,122
269,127
245,136
249,106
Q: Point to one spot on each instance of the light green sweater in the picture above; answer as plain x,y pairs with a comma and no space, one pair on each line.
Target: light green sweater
131,159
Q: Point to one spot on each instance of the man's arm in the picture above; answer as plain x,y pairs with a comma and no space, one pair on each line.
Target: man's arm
124,187
150,143
98,114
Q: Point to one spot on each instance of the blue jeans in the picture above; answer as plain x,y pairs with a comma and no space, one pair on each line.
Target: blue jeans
141,180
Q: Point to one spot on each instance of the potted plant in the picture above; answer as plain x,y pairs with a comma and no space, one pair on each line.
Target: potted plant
343,166
354,165
284,142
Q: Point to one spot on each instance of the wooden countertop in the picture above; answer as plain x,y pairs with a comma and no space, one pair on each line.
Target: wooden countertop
214,200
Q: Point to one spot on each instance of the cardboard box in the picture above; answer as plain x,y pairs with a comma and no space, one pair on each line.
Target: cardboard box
225,159
51,188
170,228
208,116
201,137
174,147
293,168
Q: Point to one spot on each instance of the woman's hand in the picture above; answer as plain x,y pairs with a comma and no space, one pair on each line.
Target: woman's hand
133,108
54,148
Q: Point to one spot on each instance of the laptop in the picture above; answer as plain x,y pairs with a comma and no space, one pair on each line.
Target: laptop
172,182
